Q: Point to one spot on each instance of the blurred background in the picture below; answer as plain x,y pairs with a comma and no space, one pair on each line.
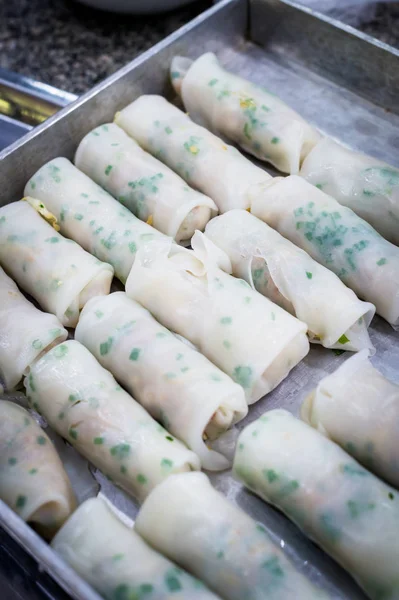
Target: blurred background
72,46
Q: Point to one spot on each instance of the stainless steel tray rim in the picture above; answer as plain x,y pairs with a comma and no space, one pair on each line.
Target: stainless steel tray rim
342,26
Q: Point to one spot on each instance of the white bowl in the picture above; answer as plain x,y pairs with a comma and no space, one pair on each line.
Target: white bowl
135,6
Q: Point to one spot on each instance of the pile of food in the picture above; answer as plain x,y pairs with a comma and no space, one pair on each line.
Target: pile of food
159,370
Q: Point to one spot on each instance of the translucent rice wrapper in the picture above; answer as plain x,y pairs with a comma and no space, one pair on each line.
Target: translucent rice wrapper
288,276
203,160
358,408
342,507
57,272
251,339
218,542
88,215
336,237
178,386
368,186
142,183
25,333
250,115
84,404
117,562
33,481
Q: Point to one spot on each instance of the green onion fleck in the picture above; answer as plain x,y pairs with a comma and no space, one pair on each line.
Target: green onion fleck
120,451
338,352
73,433
105,347
172,582
60,351
247,131
134,355
21,501
226,320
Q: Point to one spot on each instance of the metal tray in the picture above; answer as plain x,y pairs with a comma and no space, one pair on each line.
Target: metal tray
24,103
29,101
11,130
343,82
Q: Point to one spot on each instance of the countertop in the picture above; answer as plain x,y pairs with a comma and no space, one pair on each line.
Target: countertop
384,25
72,47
